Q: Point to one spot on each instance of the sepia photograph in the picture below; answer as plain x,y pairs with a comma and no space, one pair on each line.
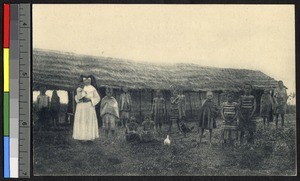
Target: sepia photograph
163,90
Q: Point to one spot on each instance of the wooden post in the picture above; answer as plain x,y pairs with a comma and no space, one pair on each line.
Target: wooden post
190,105
140,92
219,98
200,99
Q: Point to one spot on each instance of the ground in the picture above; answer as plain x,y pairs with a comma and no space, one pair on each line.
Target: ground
56,153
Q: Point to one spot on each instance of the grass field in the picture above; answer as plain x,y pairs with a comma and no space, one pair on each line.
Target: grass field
56,153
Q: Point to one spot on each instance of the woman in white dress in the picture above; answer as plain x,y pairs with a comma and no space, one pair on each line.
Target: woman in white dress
85,122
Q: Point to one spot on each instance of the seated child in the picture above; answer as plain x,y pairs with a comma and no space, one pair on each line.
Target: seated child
131,131
148,130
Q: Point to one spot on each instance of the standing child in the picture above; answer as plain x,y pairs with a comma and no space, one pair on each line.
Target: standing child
174,111
125,106
247,109
43,103
55,108
131,131
158,110
109,111
181,105
280,97
266,107
148,130
208,114
229,113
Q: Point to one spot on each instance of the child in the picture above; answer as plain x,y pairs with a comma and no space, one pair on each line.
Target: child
266,107
280,97
109,111
208,114
158,110
125,106
181,105
55,108
229,113
247,107
131,131
148,130
174,111
43,103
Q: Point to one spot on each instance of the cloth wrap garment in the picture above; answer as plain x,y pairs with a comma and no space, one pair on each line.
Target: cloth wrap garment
208,114
109,111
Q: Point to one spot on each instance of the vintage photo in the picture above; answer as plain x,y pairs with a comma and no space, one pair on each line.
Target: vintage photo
172,90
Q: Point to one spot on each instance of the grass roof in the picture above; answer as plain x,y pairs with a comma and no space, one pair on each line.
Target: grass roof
60,70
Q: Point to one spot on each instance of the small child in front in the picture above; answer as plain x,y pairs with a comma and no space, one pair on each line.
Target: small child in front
131,131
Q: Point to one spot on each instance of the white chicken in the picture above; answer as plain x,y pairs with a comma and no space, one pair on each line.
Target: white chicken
167,141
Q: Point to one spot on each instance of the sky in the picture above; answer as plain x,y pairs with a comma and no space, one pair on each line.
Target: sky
259,37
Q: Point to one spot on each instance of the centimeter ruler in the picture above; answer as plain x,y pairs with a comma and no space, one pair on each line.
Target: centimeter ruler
24,89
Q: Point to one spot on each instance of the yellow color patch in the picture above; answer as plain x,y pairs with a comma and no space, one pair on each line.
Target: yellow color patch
6,69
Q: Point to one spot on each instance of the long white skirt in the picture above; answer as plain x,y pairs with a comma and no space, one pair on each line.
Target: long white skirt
85,122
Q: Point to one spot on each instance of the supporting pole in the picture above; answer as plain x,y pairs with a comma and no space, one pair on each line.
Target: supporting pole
219,98
200,99
190,105
140,105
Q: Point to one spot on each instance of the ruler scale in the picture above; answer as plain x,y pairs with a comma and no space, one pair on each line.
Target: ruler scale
14,91
24,89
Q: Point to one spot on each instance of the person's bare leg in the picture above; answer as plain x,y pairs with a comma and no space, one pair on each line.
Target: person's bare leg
201,134
242,137
276,121
282,120
210,135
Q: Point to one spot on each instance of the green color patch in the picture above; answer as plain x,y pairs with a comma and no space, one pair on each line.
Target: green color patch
6,114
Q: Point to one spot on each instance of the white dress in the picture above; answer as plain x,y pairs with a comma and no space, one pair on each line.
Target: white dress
85,121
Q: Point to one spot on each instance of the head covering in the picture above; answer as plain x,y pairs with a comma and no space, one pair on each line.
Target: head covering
93,81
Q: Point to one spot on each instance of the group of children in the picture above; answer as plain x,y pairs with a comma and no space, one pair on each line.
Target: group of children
238,117
48,109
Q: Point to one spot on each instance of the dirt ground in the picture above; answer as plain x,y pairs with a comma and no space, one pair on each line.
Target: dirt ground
56,153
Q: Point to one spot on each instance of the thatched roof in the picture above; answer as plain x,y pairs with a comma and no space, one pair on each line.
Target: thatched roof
58,70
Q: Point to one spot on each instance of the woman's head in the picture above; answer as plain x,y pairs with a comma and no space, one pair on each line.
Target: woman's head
125,89
230,97
247,89
280,83
209,95
158,93
54,94
132,119
109,91
266,91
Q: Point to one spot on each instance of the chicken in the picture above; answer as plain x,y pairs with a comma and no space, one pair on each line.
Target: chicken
167,141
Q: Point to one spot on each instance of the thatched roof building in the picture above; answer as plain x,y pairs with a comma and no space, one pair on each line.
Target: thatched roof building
61,71
57,70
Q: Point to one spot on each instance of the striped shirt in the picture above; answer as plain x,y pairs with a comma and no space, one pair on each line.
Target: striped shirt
229,110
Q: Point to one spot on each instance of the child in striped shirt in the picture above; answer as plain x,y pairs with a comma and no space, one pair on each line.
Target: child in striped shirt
229,113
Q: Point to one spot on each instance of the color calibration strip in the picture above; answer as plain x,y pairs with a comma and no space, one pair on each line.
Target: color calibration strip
14,91
6,68
17,96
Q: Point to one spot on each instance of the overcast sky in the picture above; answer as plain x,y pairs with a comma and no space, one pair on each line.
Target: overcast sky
260,37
